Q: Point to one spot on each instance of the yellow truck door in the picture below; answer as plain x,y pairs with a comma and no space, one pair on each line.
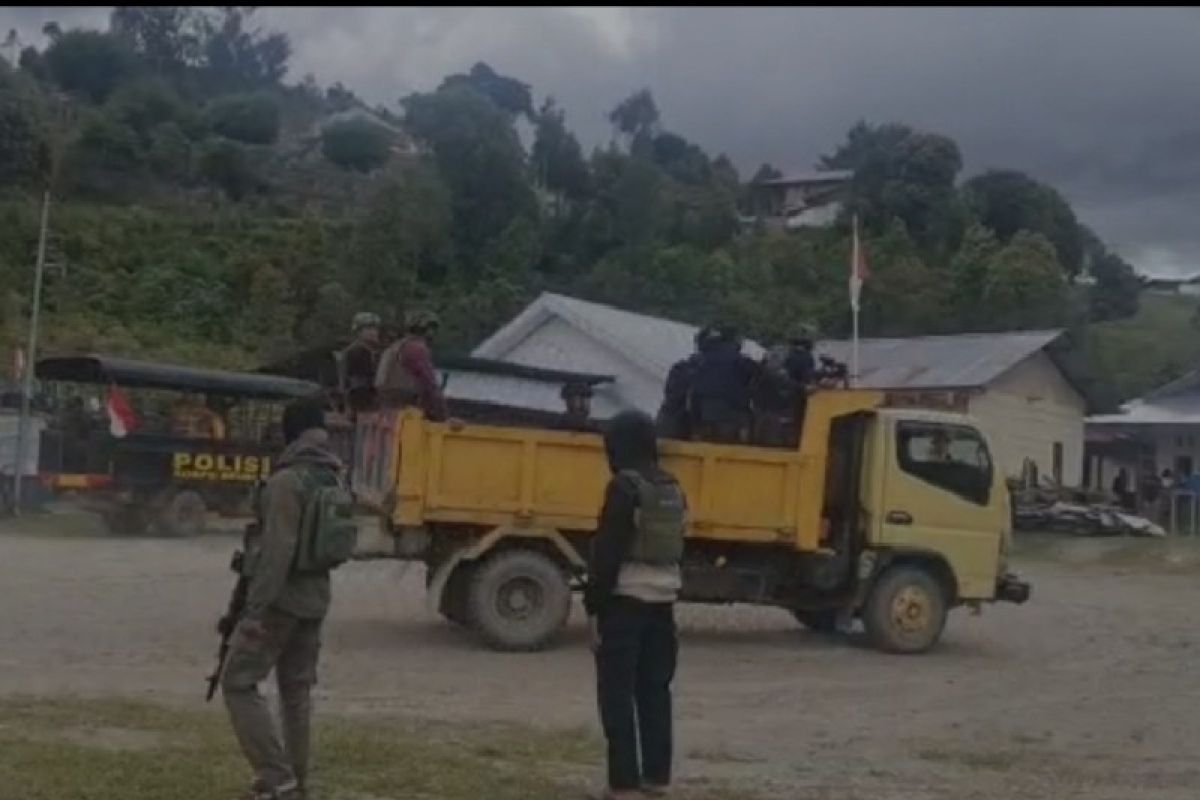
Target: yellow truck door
941,495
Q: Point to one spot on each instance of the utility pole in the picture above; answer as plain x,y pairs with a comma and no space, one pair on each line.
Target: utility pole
35,315
30,356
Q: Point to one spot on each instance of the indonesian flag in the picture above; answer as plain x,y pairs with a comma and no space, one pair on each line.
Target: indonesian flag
121,419
858,267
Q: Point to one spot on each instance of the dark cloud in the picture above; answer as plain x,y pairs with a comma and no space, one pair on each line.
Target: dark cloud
1102,102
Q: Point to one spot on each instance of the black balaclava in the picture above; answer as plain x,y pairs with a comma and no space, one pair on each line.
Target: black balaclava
630,441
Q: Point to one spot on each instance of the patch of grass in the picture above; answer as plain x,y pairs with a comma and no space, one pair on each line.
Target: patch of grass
1157,344
996,760
124,750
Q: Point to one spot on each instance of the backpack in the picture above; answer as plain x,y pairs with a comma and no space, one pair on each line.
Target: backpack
328,534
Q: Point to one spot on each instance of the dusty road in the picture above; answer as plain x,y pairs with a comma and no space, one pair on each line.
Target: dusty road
1091,691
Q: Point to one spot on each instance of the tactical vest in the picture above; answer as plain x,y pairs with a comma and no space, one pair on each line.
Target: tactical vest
392,376
660,520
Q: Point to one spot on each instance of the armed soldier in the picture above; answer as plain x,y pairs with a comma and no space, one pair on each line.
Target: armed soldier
359,362
634,582
721,391
304,529
781,395
406,376
675,415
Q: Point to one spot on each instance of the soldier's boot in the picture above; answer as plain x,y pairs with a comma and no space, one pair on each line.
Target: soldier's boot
261,791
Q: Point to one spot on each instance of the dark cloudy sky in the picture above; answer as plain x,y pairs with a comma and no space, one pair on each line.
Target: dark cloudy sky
1102,103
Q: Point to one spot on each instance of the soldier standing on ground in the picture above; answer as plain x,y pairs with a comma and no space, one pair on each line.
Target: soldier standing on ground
634,582
406,376
280,628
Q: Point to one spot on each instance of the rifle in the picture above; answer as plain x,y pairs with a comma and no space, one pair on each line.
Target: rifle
227,623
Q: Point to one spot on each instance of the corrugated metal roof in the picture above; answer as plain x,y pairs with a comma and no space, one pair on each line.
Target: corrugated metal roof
815,176
520,392
653,344
1181,409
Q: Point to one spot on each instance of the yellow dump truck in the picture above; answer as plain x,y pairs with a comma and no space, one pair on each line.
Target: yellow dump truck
891,515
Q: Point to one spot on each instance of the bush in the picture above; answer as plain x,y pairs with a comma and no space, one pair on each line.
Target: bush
24,147
356,144
227,165
89,62
246,118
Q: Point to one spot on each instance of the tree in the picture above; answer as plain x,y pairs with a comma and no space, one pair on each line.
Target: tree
239,59
403,239
636,115
1008,201
269,315
906,174
24,136
509,94
328,320
356,144
969,274
1115,293
168,38
247,118
1025,287
227,166
556,157
89,63
478,156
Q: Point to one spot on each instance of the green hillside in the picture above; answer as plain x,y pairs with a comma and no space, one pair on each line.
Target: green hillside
209,209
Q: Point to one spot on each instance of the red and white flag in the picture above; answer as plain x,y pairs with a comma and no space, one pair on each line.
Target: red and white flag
121,419
858,267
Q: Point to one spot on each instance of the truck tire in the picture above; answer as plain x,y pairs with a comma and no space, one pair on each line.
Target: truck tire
819,621
518,600
905,611
455,603
183,515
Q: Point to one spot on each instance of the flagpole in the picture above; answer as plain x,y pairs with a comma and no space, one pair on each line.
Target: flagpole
854,259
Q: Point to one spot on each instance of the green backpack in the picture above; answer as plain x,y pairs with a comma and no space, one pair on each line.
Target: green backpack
328,534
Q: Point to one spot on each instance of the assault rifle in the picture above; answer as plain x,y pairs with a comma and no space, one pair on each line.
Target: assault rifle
228,622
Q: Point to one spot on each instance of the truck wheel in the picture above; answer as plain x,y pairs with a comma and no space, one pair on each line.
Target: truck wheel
905,611
455,603
819,621
518,600
183,515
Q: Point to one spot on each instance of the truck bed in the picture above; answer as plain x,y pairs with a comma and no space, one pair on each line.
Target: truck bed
418,473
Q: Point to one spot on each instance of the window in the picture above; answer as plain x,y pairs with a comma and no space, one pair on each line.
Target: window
1057,462
951,457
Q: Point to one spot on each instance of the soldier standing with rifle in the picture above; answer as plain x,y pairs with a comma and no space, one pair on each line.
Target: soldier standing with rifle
304,529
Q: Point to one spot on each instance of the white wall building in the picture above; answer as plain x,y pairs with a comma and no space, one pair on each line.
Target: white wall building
1009,381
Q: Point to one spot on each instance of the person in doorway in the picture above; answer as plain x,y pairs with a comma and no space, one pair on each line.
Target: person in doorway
280,627
1120,489
633,585
406,375
578,398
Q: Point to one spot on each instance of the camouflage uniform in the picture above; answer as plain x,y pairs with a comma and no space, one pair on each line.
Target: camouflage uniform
280,629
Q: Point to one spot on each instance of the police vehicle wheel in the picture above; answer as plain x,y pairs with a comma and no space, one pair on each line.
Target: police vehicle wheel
818,621
519,599
184,514
905,611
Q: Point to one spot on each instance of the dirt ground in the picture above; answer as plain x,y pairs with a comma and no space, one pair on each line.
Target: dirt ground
1090,691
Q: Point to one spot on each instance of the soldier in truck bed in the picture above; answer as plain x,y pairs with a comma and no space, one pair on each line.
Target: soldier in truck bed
406,376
